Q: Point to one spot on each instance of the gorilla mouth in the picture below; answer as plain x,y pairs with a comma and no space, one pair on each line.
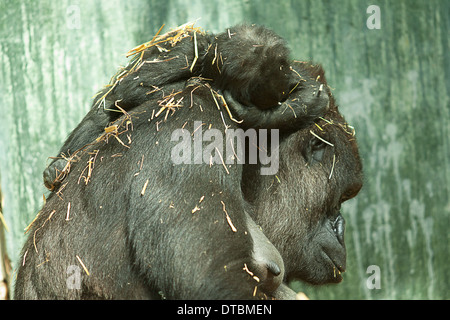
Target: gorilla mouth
337,268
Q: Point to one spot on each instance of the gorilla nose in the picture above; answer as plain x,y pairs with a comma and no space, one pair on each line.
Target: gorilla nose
273,268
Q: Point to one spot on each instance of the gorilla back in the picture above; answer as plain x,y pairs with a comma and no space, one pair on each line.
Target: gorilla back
128,224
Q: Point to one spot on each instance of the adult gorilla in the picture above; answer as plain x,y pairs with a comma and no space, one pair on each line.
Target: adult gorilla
140,226
299,209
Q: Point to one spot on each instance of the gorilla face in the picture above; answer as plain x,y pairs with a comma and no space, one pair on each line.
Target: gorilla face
299,209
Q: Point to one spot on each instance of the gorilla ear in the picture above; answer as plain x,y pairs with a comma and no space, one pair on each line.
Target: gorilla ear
314,150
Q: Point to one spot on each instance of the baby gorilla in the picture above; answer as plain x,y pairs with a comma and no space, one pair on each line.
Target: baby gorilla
249,64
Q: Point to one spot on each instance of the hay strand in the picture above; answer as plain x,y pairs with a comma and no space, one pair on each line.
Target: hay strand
250,273
34,235
224,104
196,52
31,223
82,264
320,90
221,159
195,209
321,139
233,228
301,79
68,212
144,46
24,257
144,188
332,167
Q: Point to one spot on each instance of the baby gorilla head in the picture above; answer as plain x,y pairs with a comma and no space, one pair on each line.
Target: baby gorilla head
251,62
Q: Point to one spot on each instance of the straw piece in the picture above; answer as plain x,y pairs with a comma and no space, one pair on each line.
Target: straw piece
31,223
195,209
144,46
196,52
320,90
224,104
221,159
233,228
144,188
82,264
321,139
332,168
250,273
68,212
24,257
34,235
301,79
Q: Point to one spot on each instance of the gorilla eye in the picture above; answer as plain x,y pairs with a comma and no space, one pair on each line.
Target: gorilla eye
315,150
317,144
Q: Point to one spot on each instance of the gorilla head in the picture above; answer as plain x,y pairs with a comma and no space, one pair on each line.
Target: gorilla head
299,209
253,63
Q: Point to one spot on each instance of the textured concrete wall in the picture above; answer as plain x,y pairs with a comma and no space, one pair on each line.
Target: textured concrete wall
392,84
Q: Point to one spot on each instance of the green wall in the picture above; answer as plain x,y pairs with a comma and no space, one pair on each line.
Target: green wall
392,85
